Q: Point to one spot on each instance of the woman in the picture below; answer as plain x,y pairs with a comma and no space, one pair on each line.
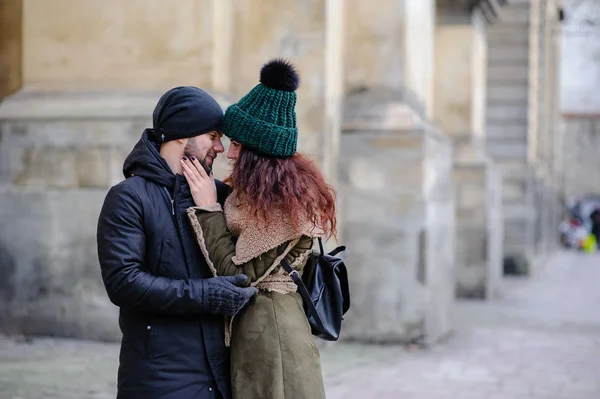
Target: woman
279,204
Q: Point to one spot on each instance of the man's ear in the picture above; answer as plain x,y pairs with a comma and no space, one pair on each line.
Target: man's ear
182,141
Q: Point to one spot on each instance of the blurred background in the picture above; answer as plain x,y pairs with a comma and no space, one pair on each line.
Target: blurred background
462,137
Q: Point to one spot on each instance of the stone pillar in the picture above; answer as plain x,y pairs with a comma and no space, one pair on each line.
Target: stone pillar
460,87
390,48
87,94
554,126
558,120
395,178
538,121
543,127
308,33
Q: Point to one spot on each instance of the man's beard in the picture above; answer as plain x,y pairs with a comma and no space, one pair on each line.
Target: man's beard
191,150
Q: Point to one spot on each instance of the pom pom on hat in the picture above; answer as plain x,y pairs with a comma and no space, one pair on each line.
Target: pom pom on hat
279,75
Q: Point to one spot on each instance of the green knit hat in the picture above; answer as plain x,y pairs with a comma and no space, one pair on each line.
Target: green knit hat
265,119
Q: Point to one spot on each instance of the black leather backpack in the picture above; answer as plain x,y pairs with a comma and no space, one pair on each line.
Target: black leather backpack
324,289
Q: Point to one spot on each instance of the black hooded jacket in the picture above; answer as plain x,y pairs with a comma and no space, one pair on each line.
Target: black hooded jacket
150,264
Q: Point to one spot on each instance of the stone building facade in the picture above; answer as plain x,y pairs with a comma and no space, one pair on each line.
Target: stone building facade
397,105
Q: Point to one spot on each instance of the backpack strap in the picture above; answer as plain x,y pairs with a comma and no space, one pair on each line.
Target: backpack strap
342,249
303,292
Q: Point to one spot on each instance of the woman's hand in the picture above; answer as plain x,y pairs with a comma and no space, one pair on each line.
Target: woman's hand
201,184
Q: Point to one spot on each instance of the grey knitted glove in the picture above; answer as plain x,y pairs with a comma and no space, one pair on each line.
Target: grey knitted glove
227,295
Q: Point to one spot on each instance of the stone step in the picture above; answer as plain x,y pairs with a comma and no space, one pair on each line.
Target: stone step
508,55
493,82
498,93
492,122
507,72
515,13
507,112
506,149
497,102
507,42
500,34
514,171
509,27
508,131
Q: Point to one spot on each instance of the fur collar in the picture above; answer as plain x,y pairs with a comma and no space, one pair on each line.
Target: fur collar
257,236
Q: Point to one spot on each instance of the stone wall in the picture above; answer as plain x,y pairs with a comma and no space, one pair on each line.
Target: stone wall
58,156
68,45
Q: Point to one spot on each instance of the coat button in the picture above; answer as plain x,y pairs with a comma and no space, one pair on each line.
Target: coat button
210,389
149,328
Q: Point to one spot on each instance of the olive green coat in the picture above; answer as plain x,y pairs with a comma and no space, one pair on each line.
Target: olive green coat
273,353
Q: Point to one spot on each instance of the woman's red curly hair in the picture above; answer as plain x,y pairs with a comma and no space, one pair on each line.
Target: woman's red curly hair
294,184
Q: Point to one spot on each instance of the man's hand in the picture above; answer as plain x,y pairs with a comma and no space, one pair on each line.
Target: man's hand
227,295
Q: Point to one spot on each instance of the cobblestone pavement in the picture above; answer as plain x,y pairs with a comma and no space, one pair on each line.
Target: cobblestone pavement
540,340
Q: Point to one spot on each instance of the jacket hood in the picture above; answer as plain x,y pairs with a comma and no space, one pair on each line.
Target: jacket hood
145,161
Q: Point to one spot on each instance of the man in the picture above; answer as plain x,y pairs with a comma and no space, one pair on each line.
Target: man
171,311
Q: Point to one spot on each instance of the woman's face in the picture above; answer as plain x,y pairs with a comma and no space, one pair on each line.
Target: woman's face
234,150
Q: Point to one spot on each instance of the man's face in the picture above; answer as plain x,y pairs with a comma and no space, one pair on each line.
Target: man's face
205,148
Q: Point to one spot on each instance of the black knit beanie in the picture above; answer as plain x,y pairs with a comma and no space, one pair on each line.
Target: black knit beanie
185,112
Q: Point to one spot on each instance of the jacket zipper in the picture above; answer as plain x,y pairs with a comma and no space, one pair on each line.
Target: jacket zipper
182,236
172,202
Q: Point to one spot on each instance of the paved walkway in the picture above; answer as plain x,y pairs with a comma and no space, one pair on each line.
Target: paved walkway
541,340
